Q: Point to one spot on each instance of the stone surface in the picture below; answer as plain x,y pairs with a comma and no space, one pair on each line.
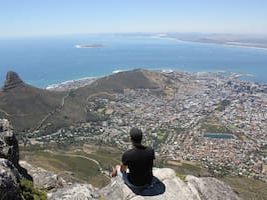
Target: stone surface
192,188
75,192
9,174
211,188
9,177
43,178
10,170
9,148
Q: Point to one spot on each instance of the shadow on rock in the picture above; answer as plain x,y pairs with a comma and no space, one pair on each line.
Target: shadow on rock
156,188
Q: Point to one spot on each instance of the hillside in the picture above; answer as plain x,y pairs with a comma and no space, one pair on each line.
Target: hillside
25,105
134,79
31,108
116,83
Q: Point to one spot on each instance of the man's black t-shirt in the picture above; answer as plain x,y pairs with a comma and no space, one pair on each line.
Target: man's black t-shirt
140,162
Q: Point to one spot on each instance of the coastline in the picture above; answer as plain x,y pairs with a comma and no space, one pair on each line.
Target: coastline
85,81
244,46
71,84
226,44
79,82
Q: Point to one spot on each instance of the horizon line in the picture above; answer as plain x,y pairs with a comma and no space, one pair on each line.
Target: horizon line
135,32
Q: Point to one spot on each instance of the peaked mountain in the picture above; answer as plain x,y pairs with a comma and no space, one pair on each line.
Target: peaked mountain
116,83
26,105
128,79
29,108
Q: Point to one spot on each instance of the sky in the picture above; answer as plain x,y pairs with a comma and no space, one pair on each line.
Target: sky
26,18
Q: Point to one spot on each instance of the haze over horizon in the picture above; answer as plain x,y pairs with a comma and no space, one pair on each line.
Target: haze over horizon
47,18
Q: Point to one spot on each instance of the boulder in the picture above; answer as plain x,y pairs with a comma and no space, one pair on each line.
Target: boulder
42,178
9,181
9,148
75,192
192,188
211,188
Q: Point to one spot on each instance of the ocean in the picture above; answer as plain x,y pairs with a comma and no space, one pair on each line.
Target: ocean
49,60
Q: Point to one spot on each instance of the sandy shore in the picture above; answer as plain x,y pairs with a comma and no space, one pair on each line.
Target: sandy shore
71,84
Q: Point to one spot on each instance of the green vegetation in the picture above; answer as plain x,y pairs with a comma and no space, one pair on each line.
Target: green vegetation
181,176
264,150
74,162
184,169
95,117
247,188
105,158
29,192
223,104
81,167
212,125
157,139
73,166
161,136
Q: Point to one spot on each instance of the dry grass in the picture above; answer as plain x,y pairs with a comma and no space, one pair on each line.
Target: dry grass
246,188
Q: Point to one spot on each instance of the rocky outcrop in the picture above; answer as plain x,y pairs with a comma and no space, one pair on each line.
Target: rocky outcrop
9,148
9,181
10,170
210,188
12,80
58,188
192,188
43,178
75,192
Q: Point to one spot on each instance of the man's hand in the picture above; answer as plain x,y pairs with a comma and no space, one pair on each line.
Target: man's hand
123,168
114,173
115,170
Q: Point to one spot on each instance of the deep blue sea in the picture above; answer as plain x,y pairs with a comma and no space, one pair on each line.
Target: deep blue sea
45,61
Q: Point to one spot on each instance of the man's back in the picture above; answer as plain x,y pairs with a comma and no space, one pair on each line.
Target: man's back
140,162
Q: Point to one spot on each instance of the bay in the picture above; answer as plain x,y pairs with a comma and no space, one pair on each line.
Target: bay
49,60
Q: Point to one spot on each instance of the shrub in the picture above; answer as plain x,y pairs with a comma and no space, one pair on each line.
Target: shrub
28,191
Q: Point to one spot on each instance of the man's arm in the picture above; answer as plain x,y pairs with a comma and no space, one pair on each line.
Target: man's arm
124,163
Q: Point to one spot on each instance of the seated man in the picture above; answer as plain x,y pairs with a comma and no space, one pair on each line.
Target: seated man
139,161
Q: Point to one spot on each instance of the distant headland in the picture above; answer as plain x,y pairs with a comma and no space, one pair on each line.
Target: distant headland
234,40
85,46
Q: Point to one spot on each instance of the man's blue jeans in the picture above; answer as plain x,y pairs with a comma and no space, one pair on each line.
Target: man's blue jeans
155,188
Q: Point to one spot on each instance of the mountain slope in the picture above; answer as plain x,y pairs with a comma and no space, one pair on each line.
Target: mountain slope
29,107
25,105
135,79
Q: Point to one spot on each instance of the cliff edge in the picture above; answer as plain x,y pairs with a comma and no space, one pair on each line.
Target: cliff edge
11,171
192,188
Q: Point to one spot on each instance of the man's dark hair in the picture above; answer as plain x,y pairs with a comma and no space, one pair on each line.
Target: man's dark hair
136,135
